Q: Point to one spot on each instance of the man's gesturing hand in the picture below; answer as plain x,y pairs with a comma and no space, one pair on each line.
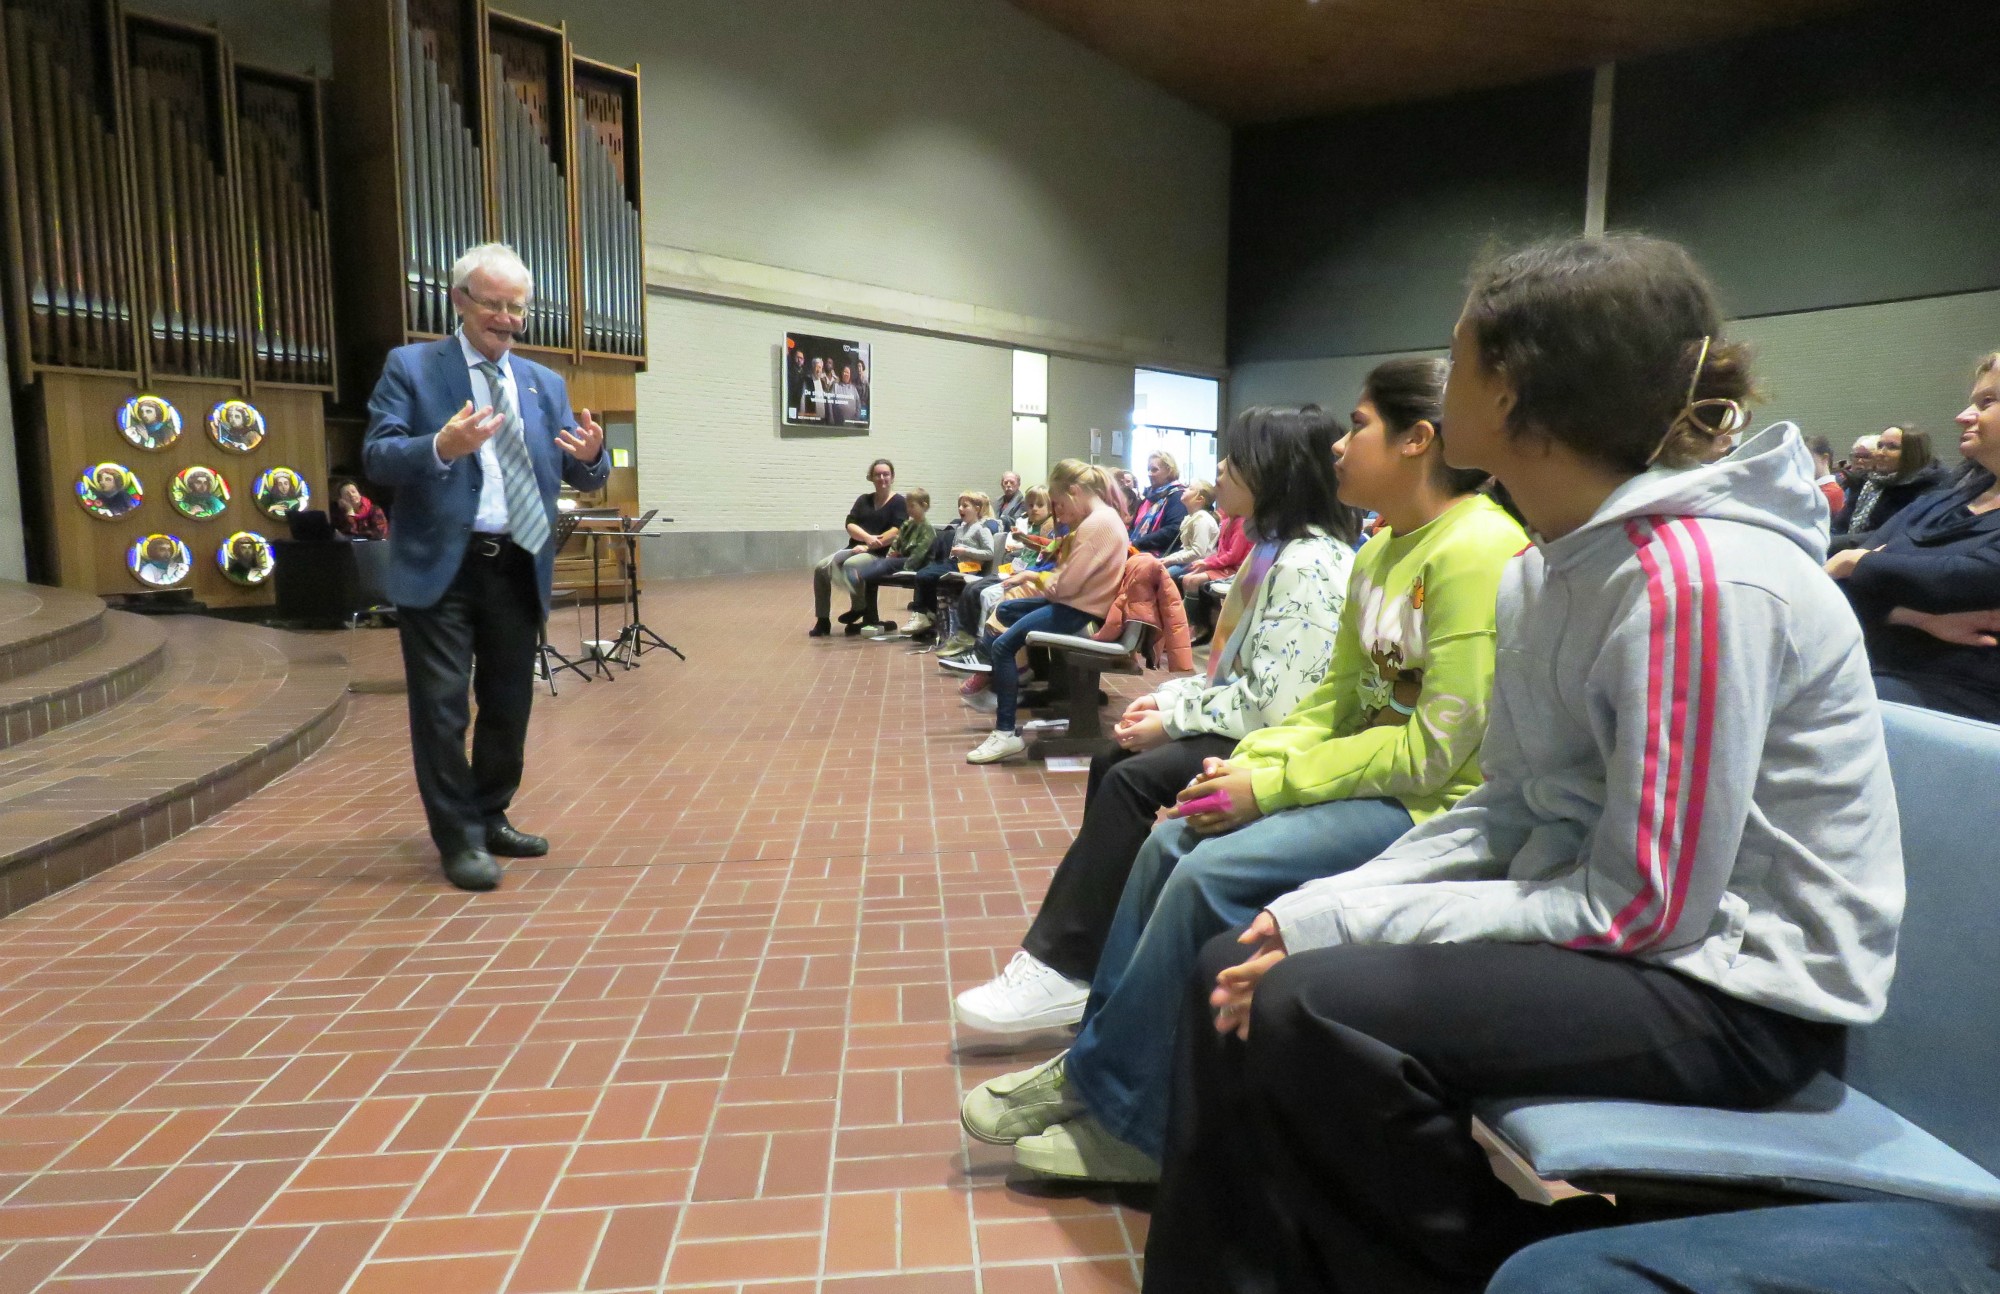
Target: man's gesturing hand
468,430
583,442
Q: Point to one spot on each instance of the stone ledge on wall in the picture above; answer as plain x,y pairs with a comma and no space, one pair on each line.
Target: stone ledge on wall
700,553
679,271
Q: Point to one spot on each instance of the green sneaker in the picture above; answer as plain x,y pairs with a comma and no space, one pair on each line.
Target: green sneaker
956,645
1082,1151
1013,1106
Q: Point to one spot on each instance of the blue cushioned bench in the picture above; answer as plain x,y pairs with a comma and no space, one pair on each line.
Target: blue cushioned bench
1918,1115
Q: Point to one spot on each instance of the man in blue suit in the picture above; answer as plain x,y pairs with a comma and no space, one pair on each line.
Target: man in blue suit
476,441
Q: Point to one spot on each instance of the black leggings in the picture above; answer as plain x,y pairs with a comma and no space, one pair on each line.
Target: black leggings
1124,794
1332,1152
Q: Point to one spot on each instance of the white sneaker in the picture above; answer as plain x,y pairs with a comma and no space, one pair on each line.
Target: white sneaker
970,663
997,746
983,701
918,623
1028,995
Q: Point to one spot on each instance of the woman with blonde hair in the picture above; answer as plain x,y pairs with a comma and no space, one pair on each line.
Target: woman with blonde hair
1082,589
1156,525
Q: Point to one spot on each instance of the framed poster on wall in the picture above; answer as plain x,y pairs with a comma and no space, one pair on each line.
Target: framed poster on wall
827,382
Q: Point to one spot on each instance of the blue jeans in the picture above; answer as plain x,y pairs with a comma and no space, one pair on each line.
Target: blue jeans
923,598
1184,891
1018,619
1869,1248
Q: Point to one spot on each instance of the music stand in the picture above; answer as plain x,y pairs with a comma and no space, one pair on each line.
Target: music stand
636,638
549,661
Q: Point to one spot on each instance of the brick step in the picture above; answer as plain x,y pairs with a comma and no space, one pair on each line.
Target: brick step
231,707
41,626
128,656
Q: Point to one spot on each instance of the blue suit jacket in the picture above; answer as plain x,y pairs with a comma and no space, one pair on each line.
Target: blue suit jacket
422,387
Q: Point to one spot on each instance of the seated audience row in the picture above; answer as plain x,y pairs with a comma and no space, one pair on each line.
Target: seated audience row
1277,469
1390,737
1915,579
1592,862
1896,469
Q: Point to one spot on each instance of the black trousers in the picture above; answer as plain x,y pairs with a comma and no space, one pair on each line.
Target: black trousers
1124,794
968,604
1332,1152
481,636
1932,691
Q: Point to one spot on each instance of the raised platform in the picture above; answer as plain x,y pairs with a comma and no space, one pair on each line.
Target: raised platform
40,626
119,732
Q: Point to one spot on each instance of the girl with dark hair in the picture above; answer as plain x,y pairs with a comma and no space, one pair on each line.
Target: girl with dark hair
1680,880
1905,469
1276,470
1939,556
1391,736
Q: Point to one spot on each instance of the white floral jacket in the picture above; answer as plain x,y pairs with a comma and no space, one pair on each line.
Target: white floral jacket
1287,647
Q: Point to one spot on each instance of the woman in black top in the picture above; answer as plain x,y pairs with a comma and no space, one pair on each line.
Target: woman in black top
872,525
1939,556
1905,469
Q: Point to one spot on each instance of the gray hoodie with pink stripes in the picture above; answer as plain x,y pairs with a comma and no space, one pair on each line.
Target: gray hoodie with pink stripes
1684,760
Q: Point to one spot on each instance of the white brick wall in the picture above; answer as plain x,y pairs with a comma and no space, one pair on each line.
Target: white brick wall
712,453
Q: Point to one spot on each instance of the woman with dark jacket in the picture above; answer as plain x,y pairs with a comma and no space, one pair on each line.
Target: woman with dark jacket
1938,556
1156,525
1904,470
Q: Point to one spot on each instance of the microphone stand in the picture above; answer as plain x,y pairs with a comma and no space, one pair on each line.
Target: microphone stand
550,662
636,638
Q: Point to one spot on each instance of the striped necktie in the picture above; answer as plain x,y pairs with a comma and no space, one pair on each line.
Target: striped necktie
526,519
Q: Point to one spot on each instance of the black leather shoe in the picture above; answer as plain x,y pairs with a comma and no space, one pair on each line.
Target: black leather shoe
852,631
820,629
503,840
851,617
472,869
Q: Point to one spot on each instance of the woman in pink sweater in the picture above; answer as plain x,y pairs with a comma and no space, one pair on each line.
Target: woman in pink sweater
1082,590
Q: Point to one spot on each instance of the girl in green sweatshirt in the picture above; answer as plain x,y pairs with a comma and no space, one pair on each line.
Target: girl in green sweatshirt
1389,738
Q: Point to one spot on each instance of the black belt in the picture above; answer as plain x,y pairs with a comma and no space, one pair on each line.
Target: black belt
490,547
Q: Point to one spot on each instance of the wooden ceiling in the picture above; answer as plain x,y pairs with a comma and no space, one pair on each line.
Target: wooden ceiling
1272,60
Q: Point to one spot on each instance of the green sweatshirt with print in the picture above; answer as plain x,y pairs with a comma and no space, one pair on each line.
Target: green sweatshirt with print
913,541
1420,609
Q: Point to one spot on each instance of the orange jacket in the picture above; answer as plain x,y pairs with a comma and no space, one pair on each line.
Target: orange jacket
1147,594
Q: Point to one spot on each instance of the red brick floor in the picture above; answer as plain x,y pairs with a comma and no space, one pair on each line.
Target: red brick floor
704,1045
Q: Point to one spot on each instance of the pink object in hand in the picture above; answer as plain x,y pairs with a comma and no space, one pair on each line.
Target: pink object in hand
1215,802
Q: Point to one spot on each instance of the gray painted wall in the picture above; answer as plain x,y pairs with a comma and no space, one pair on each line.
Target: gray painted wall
1837,373
1332,382
1847,373
1840,189
1835,164
1082,396
1351,235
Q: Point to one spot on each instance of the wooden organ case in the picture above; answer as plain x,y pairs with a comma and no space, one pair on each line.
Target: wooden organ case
210,234
455,123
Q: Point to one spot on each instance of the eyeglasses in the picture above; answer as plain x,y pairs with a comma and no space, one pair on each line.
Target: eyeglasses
516,309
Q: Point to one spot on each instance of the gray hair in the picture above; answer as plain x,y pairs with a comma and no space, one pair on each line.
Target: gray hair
498,260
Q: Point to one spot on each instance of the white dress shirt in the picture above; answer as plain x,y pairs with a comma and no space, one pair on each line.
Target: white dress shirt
491,519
